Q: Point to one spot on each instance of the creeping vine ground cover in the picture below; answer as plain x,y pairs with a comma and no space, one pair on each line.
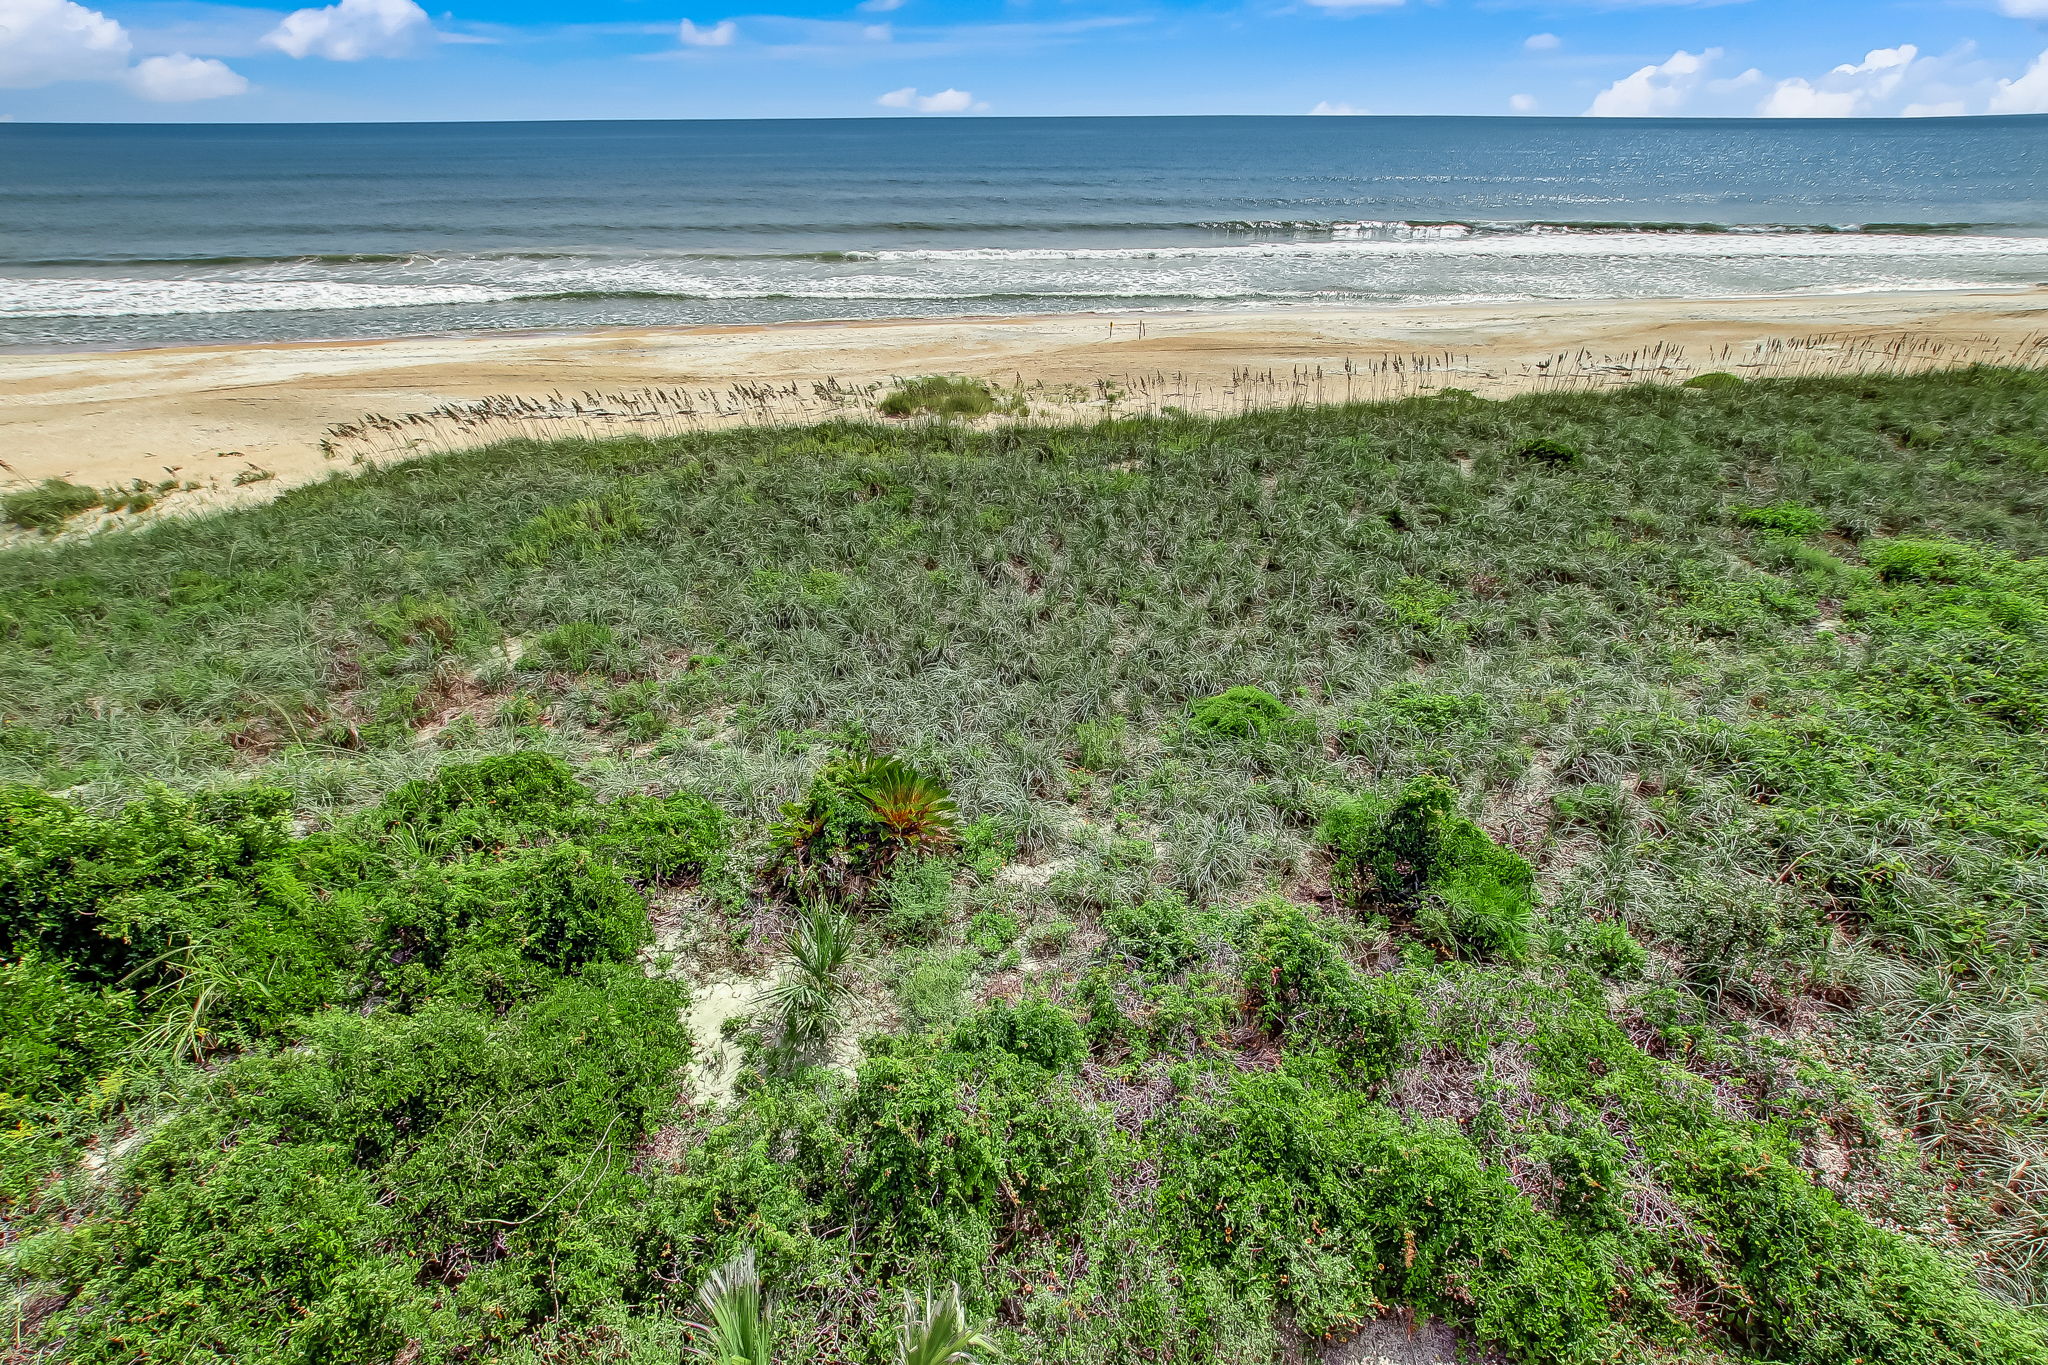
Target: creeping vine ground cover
1573,867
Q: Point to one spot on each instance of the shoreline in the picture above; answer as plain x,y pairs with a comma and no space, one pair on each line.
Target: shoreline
293,411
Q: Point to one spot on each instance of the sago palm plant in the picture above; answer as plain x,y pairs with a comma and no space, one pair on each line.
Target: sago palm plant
915,811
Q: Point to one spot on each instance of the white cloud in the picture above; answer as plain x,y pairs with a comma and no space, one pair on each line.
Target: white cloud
46,41
1522,104
1795,98
1542,42
879,6
43,42
179,77
1945,109
1339,108
877,33
2028,94
1341,6
719,34
2024,9
352,30
1661,89
947,101
1848,90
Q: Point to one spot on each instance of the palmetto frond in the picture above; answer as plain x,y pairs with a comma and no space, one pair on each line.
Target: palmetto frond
741,1321
808,1003
937,1332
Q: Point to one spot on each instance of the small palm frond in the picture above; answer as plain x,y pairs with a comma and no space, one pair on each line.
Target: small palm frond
741,1320
808,1004
938,1332
915,809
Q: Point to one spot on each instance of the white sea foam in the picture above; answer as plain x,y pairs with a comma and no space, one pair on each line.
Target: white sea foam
1382,262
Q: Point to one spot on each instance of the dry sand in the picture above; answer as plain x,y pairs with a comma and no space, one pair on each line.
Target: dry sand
211,412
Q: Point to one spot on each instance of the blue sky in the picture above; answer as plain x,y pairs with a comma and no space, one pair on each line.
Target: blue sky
186,60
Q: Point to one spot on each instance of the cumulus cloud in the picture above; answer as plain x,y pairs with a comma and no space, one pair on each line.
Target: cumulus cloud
180,77
1543,42
1848,90
1339,108
719,34
1653,90
1899,81
2028,94
1522,104
47,41
943,102
352,30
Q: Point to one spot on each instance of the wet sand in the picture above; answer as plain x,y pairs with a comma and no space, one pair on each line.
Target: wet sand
209,413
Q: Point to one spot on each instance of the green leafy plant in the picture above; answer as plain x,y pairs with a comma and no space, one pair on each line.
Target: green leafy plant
1244,713
938,1332
742,1326
807,1006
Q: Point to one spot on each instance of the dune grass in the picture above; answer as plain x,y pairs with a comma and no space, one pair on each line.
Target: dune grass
1570,865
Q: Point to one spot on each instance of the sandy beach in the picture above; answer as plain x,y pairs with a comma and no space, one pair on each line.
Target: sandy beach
282,414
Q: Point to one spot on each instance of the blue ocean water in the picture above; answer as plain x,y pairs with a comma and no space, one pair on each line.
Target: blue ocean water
135,235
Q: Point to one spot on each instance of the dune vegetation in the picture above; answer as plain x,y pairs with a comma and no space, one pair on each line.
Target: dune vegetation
1573,867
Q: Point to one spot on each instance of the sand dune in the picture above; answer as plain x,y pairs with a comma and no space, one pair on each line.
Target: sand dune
209,413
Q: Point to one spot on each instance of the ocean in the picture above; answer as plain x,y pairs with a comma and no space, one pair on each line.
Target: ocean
125,235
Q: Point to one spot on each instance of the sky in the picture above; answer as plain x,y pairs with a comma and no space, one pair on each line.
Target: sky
370,60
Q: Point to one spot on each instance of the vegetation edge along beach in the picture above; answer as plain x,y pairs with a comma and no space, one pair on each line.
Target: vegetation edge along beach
1179,888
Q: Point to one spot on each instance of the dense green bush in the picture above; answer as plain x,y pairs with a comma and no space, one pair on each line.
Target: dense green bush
393,1178
1245,713
1302,988
1418,857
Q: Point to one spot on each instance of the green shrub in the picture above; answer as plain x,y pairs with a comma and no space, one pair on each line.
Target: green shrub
48,505
1716,379
680,838
56,1034
1036,1031
500,930
1418,856
1244,713
1159,934
491,802
1783,518
1923,561
938,1145
1478,910
1337,1208
1302,988
1613,950
992,931
393,1178
194,910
